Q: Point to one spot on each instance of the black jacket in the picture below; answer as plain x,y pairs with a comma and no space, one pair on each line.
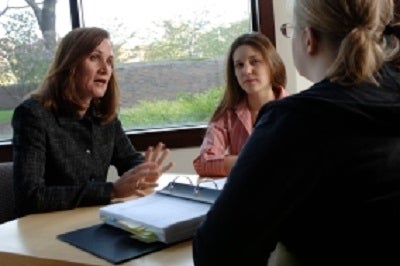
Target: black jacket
320,174
61,162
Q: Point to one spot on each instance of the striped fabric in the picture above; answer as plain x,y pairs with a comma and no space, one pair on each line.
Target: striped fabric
225,136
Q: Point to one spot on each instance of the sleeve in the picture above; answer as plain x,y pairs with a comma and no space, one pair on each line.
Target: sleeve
125,156
210,161
30,158
245,222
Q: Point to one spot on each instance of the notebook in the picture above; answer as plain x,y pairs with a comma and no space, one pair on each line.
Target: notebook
169,215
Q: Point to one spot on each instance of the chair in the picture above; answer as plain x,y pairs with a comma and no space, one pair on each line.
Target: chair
7,201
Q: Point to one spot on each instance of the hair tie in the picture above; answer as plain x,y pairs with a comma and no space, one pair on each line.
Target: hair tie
389,30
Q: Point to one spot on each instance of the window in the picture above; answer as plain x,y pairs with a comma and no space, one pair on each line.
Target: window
23,59
27,43
170,59
169,54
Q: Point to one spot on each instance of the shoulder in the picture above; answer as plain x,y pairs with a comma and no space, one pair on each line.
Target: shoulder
303,107
30,113
390,76
30,106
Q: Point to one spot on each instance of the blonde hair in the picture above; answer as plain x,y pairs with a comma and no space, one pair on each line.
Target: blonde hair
354,28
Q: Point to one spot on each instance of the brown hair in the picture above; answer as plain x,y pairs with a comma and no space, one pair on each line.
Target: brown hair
59,91
354,28
233,92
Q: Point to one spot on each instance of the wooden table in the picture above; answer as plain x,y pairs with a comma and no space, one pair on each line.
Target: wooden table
31,240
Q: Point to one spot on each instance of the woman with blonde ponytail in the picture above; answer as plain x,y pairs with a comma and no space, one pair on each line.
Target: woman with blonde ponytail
320,173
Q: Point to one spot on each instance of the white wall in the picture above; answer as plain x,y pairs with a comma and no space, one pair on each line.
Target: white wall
282,12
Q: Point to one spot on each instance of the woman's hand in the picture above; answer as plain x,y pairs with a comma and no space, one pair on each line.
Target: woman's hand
143,176
157,155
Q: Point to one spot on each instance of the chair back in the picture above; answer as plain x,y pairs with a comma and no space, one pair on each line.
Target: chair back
7,200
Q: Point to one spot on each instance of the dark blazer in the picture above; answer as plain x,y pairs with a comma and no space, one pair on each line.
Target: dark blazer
61,162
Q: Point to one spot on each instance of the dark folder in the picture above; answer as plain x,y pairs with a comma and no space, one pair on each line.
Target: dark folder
110,243
117,245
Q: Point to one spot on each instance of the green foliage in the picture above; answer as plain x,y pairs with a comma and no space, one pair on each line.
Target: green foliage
186,109
216,42
5,116
27,58
193,39
26,54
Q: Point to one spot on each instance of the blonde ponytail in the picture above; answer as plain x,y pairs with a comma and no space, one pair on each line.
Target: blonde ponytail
358,59
354,29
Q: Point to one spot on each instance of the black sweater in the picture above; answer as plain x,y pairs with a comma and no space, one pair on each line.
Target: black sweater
320,174
61,162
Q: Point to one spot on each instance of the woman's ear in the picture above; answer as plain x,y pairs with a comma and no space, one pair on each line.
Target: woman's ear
311,40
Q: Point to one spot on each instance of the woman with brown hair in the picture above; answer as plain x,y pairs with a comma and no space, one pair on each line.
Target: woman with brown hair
67,133
255,76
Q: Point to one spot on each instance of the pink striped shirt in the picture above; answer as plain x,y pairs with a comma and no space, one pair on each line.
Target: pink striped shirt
225,136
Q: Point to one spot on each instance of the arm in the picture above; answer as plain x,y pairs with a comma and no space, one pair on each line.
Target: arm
245,222
229,161
211,160
125,156
49,174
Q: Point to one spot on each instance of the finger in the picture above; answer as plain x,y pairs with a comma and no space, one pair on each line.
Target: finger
142,185
167,167
139,193
157,150
145,166
163,156
140,172
148,154
146,185
138,184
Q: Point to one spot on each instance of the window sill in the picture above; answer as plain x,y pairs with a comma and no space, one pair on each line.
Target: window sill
173,138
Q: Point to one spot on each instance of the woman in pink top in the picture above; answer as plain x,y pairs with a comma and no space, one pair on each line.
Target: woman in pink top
255,75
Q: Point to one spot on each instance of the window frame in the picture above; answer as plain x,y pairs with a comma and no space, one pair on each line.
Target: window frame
180,137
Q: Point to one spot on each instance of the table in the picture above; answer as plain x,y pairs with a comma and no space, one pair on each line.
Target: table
31,240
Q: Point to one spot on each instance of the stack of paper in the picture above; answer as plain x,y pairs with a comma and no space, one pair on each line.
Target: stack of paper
169,215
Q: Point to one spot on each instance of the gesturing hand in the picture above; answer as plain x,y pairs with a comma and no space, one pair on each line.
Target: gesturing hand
143,176
158,156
